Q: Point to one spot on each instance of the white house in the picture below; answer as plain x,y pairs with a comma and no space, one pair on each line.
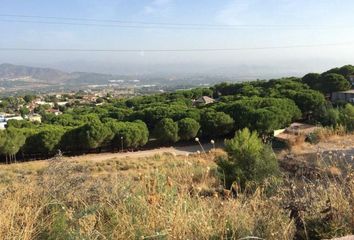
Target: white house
2,122
62,103
4,119
18,118
35,118
44,103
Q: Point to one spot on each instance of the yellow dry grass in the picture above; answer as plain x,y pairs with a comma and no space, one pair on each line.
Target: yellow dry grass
164,197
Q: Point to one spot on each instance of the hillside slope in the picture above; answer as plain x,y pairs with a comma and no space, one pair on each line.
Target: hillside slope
17,72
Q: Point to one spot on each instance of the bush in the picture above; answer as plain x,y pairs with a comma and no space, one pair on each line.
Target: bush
249,160
346,117
313,138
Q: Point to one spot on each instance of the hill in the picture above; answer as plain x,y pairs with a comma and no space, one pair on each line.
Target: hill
35,74
18,76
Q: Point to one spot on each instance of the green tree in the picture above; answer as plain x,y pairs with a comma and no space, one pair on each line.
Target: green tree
63,119
87,118
12,143
166,131
261,114
20,124
71,140
312,79
24,111
46,141
2,141
309,101
100,100
187,128
132,134
29,98
42,109
346,117
93,135
14,103
120,113
346,71
214,124
329,117
333,82
249,160
143,132
267,120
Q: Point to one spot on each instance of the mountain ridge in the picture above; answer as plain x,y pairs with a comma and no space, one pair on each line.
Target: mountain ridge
51,76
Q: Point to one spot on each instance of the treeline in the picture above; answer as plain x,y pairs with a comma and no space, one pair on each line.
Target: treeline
45,140
171,117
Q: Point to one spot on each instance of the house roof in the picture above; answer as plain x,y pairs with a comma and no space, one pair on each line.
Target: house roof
206,100
51,110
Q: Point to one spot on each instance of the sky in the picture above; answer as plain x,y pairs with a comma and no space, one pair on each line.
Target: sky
265,23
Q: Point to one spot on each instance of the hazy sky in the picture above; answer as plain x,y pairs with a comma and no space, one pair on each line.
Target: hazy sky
269,23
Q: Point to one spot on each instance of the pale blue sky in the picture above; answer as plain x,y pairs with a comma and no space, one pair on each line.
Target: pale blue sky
306,22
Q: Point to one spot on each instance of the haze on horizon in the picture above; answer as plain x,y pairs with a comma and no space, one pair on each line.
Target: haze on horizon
273,23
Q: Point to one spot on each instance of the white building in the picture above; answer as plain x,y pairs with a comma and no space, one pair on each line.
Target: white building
2,122
35,118
62,103
18,118
44,103
4,119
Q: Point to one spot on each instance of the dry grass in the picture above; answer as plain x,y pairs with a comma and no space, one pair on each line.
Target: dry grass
164,197
328,132
155,198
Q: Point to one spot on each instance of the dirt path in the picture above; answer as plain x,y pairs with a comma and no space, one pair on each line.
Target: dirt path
336,143
147,153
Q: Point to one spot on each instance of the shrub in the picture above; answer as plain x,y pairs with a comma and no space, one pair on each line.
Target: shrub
313,138
248,160
346,117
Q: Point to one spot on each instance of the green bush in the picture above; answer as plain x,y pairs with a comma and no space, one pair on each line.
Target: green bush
312,138
249,160
346,117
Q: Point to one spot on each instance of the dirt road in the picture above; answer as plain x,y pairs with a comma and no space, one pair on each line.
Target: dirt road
340,144
146,153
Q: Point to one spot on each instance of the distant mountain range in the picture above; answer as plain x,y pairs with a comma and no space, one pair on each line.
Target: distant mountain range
17,72
19,78
10,72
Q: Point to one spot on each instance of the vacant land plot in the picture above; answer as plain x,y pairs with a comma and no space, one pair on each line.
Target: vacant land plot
166,197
